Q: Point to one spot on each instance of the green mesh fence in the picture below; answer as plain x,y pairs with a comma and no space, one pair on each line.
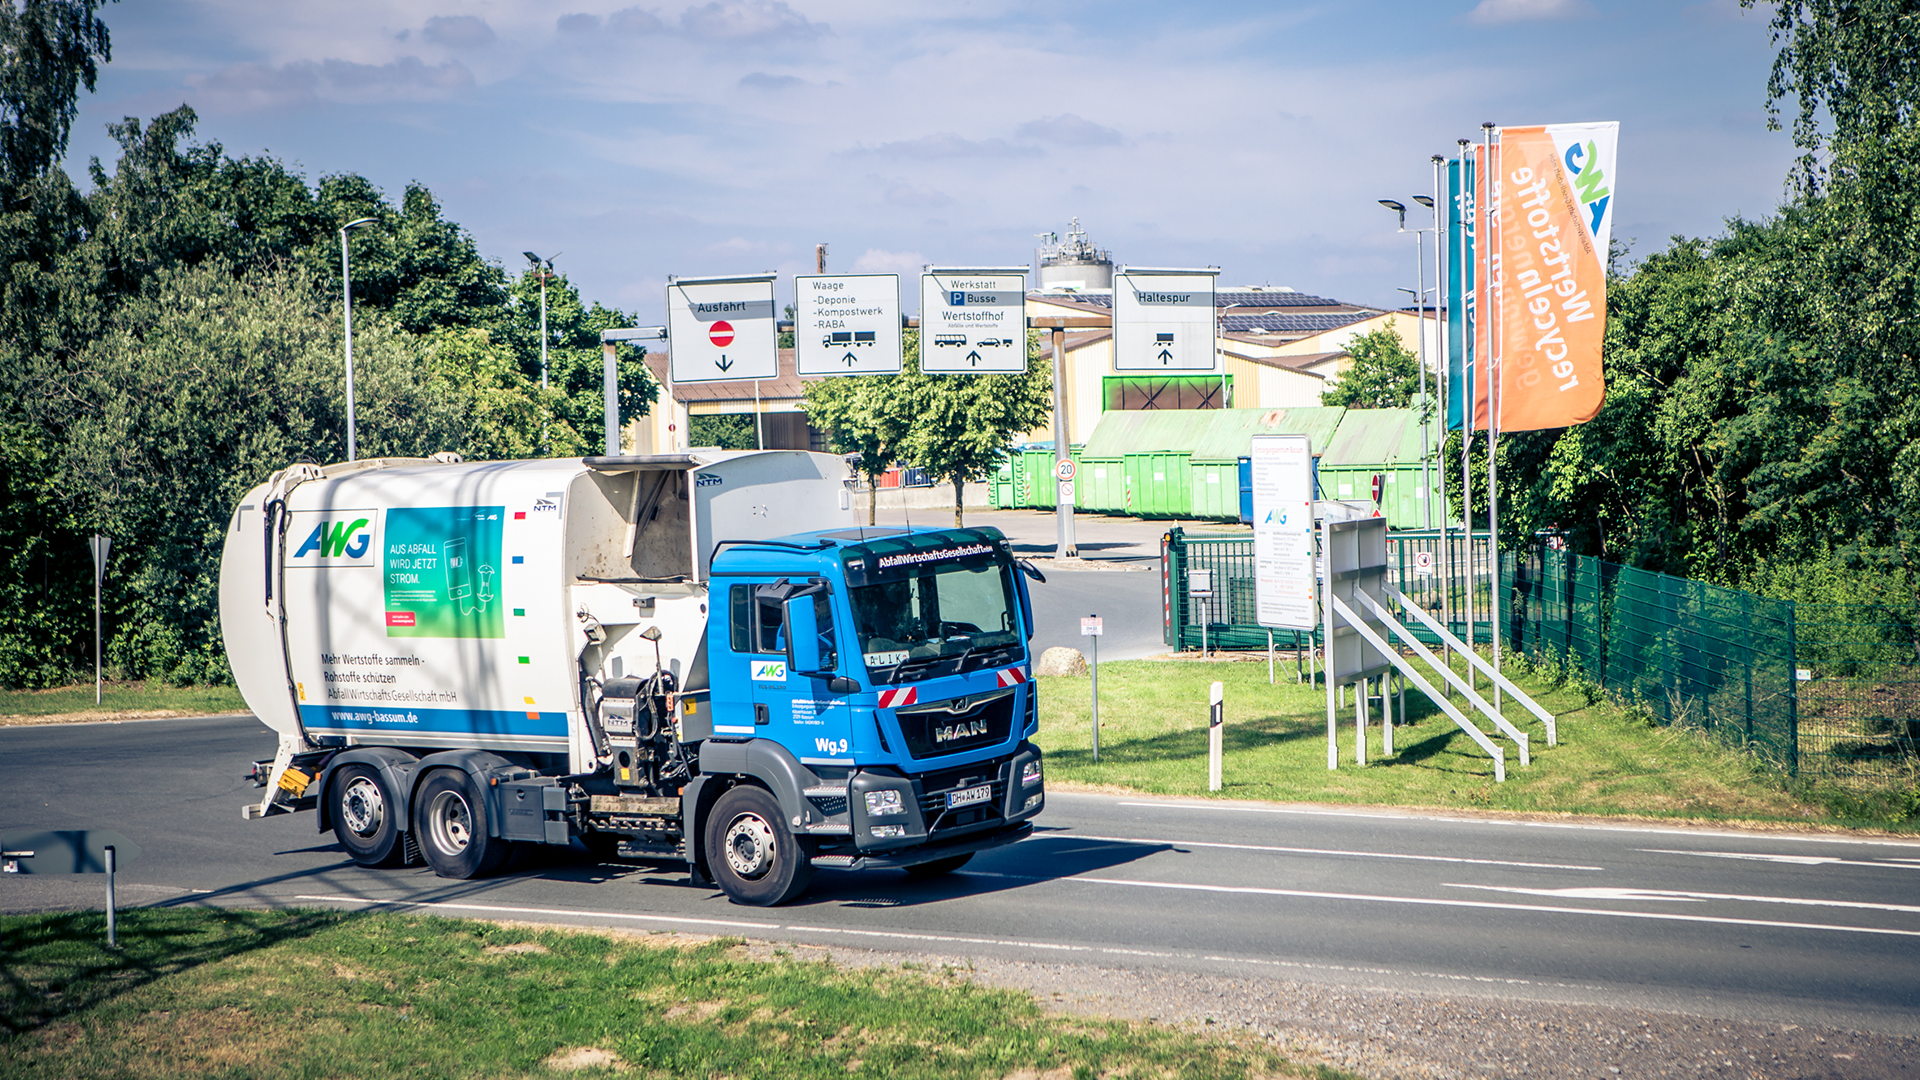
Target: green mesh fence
1822,691
1859,691
1692,654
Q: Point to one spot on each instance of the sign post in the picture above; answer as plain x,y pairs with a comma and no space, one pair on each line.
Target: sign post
1200,587
610,374
71,851
847,324
1092,627
99,545
1163,320
973,321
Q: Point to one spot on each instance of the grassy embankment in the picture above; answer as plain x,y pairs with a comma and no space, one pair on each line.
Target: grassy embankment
198,993
118,701
1611,761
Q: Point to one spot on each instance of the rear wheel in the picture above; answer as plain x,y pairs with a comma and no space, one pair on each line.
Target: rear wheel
451,823
939,866
754,858
365,816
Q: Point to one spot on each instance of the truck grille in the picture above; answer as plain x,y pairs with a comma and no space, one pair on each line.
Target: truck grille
936,786
960,724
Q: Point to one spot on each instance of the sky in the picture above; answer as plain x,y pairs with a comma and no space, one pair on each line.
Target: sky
631,143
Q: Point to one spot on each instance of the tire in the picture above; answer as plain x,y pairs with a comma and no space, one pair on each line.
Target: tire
939,866
366,816
449,820
752,855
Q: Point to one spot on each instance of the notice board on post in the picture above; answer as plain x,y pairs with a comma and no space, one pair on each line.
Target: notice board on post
1283,540
1356,562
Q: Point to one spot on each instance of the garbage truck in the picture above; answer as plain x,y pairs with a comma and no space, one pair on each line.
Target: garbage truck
695,658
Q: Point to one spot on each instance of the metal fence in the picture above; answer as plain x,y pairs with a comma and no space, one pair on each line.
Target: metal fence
1692,654
1821,691
1859,690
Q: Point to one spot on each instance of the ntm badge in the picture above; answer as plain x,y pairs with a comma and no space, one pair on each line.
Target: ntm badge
336,539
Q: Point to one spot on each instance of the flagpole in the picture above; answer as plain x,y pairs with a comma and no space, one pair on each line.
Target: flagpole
1496,292
1470,316
1445,341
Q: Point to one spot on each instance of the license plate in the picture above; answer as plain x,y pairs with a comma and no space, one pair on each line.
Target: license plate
969,796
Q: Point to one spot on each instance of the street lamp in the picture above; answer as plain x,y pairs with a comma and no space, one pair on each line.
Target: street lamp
346,292
545,267
1420,337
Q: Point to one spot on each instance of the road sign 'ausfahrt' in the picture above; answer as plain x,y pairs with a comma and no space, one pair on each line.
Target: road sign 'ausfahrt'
720,329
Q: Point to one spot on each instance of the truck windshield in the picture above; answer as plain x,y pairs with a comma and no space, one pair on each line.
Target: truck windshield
930,622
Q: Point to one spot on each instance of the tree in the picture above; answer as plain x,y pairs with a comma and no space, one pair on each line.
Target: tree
958,427
1383,375
197,392
49,49
855,413
576,368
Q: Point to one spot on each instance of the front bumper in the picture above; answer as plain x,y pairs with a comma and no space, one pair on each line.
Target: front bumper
926,853
925,814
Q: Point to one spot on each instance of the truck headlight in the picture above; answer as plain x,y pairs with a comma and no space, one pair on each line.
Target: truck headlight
888,832
1030,773
883,802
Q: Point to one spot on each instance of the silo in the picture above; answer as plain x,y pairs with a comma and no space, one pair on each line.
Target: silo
1073,263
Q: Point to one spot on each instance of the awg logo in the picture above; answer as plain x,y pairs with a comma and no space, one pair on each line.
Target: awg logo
338,540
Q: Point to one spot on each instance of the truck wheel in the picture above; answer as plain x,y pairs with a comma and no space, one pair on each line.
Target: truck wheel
450,821
939,866
754,858
365,817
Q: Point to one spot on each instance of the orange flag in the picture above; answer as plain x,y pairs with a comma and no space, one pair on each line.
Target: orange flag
1553,202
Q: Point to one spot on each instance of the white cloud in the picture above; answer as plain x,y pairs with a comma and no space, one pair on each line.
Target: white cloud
948,145
253,87
737,20
760,80
907,264
458,31
1497,12
1068,129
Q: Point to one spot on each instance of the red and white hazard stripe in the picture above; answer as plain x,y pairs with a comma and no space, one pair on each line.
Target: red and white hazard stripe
894,699
1013,676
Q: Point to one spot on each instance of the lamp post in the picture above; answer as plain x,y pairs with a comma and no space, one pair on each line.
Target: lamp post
346,292
544,267
1420,339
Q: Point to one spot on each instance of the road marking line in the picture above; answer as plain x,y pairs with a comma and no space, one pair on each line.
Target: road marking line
944,938
498,909
1317,851
1690,897
1430,818
908,936
1797,860
1662,916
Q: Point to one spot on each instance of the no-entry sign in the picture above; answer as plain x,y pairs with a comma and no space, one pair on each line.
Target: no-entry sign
721,329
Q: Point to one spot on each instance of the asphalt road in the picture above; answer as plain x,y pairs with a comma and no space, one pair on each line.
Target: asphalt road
1765,927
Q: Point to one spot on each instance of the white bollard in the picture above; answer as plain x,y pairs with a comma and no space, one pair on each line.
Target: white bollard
1216,713
1360,722
1386,715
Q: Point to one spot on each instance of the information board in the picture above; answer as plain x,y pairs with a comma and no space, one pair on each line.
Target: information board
847,324
1283,556
1163,320
721,329
973,322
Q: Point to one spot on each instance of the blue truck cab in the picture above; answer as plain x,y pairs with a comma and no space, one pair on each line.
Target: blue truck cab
885,675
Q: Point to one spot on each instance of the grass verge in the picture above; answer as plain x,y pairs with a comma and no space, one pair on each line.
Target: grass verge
1610,761
118,701
219,993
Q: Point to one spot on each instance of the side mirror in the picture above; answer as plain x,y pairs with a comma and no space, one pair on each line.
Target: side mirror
804,655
